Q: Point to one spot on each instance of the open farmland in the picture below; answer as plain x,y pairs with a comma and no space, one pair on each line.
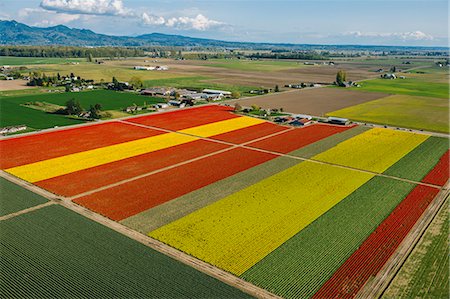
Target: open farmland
13,85
11,60
315,101
403,111
15,198
13,111
242,195
111,265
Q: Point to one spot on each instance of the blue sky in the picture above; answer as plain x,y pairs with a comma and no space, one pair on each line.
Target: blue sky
376,22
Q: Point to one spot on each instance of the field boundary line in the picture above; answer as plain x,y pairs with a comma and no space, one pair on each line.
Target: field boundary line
376,287
231,147
156,245
149,173
27,210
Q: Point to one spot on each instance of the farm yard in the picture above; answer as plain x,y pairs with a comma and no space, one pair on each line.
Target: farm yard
258,201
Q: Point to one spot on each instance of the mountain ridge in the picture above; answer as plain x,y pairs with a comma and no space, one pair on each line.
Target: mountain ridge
15,33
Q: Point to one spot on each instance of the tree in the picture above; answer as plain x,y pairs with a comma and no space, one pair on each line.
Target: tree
341,77
277,88
94,111
136,82
235,94
73,107
90,58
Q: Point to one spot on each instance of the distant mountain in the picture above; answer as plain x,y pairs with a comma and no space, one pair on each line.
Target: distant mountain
15,33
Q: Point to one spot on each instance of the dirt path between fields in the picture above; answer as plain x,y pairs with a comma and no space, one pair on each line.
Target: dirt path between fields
375,287
18,213
143,239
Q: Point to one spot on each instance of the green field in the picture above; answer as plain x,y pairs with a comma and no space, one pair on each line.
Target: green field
413,86
320,248
10,60
255,65
15,198
199,83
61,254
426,271
12,113
417,163
103,72
413,112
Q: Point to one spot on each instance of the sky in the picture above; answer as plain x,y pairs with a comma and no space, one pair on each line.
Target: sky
364,22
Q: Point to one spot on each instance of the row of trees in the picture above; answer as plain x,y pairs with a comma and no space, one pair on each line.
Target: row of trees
73,52
73,107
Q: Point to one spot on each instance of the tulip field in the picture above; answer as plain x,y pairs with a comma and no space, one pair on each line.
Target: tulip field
312,212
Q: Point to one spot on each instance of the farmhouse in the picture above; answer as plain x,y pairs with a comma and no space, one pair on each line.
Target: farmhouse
389,76
217,92
303,116
144,68
12,129
157,91
337,121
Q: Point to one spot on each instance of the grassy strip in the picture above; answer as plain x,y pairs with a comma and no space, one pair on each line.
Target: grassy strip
172,210
15,198
408,86
62,254
421,160
327,143
255,66
426,271
327,242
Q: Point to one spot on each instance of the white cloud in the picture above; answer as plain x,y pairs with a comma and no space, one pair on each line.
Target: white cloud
117,8
406,36
42,17
90,7
149,19
200,22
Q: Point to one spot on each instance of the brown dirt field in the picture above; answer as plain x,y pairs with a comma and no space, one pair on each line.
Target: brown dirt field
319,73
13,85
314,101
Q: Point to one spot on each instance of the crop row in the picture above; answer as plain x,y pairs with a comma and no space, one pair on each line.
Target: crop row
128,199
37,147
325,244
421,160
375,150
238,231
186,118
440,173
371,256
61,254
62,165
